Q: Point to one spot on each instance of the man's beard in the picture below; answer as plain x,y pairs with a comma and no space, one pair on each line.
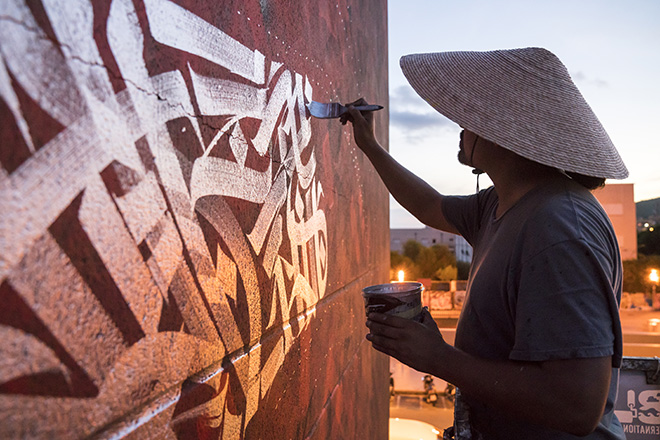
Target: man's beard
462,159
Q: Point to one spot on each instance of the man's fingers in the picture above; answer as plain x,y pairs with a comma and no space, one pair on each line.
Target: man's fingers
387,347
427,319
382,342
389,320
383,330
360,101
381,349
354,115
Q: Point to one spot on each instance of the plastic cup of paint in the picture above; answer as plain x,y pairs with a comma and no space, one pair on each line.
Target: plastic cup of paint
399,299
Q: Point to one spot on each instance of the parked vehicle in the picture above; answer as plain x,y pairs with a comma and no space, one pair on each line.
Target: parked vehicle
450,392
430,393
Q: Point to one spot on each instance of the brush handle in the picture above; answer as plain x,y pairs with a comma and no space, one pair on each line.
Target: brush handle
368,108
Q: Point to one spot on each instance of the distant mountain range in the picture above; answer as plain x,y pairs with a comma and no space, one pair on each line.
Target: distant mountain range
648,209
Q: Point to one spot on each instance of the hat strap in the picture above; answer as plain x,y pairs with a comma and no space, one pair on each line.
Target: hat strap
476,171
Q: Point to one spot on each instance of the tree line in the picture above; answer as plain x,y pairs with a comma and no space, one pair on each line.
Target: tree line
436,262
636,272
439,263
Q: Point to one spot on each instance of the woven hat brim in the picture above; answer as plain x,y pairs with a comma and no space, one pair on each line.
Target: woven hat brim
523,100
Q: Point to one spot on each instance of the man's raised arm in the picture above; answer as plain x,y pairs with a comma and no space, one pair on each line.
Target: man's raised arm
413,193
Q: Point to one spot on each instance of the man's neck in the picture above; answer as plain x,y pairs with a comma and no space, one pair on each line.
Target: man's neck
515,178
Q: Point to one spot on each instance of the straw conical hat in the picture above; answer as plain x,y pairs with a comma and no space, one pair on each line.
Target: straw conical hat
523,100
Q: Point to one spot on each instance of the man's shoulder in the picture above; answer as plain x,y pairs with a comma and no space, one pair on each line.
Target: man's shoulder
568,203
567,214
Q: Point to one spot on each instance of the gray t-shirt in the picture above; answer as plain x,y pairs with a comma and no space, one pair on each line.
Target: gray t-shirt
545,284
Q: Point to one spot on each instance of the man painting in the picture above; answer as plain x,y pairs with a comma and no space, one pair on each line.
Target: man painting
538,343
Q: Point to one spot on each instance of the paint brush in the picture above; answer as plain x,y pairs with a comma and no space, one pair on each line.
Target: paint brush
334,109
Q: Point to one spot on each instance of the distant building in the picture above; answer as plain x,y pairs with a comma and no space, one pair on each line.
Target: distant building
619,203
428,237
617,199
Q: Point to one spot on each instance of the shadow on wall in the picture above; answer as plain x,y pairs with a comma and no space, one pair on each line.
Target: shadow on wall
164,241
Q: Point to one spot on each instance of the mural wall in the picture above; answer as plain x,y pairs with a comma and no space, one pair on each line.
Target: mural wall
182,247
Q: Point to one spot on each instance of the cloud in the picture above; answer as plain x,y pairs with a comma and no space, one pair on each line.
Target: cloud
580,77
407,120
405,95
411,114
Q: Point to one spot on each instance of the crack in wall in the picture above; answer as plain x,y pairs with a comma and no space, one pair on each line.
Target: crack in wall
69,53
35,30
200,118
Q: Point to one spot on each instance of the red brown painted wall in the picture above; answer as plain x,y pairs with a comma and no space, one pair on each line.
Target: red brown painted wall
182,247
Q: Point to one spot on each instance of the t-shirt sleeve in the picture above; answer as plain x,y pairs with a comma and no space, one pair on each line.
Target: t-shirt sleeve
466,213
565,306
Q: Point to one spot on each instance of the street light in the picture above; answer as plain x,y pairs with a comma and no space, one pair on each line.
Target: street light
654,277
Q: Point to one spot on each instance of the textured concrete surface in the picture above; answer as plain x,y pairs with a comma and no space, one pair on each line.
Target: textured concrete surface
182,247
